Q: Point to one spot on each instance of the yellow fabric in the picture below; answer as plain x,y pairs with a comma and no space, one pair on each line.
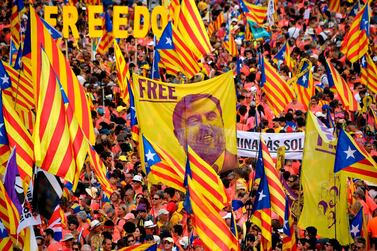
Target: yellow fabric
325,195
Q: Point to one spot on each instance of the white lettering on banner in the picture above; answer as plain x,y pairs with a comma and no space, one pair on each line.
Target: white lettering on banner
248,144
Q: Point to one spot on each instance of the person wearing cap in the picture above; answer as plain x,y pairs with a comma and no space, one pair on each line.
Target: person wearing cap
163,220
137,182
168,244
95,237
67,241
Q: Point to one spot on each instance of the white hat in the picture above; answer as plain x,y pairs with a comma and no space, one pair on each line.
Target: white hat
137,178
184,242
94,224
234,20
227,216
68,237
169,239
149,224
92,191
320,114
162,211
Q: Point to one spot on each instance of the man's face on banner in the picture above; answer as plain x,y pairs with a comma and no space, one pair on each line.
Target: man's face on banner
202,125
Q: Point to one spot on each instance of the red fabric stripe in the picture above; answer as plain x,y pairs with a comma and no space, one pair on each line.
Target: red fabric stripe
354,169
188,26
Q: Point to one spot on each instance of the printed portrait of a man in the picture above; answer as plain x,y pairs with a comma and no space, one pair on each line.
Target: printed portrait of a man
198,122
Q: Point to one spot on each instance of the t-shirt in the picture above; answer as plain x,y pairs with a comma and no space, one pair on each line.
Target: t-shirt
372,227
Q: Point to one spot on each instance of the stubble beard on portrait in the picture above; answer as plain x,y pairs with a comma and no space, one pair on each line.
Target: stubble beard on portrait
209,143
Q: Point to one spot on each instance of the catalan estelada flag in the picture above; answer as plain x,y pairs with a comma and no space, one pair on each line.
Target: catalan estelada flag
230,45
353,160
266,167
60,146
255,13
40,36
15,27
207,222
289,240
355,43
278,92
284,54
305,85
21,88
369,73
336,81
262,213
123,73
334,6
158,169
107,39
357,224
133,119
192,30
175,52
13,52
99,170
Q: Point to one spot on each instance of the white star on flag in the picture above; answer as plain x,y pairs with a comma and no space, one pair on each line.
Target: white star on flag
5,79
304,79
150,155
1,126
363,61
350,153
355,230
2,228
261,195
168,41
285,224
133,108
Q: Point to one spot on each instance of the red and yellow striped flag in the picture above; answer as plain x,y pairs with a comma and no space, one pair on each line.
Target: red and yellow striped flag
230,45
15,27
278,92
73,89
60,147
8,214
344,91
208,224
216,25
192,30
20,138
21,89
355,42
305,86
275,187
174,9
123,73
255,13
334,6
369,73
100,172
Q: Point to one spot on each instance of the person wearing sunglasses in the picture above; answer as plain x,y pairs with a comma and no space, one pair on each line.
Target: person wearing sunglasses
130,240
168,244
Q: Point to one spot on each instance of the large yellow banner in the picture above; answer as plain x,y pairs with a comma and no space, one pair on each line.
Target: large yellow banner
201,115
325,194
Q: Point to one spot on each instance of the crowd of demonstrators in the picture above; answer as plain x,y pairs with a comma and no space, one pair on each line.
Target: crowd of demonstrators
138,212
